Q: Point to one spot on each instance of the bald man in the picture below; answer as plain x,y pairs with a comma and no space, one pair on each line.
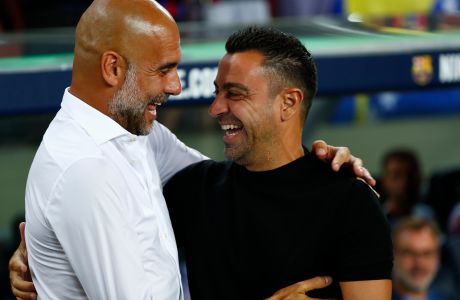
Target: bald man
97,223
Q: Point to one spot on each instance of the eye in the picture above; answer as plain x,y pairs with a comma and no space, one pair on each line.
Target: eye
233,95
164,71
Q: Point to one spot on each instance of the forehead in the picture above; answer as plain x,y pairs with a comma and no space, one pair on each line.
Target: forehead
243,67
416,238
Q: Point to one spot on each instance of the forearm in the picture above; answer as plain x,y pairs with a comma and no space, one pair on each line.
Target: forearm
366,289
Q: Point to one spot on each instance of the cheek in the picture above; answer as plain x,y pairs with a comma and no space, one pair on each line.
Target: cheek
432,264
404,263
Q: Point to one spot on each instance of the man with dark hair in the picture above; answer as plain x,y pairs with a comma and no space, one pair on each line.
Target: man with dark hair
274,214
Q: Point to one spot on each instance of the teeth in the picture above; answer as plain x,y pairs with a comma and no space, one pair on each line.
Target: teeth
230,126
158,104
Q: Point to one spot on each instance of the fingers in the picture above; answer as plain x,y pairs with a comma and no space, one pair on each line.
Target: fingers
337,155
21,289
319,148
22,228
24,295
366,176
298,290
314,283
17,263
340,156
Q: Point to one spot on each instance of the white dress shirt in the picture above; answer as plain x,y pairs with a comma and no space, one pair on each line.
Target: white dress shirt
97,223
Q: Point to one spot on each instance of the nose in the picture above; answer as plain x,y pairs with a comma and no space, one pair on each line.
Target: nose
218,106
173,85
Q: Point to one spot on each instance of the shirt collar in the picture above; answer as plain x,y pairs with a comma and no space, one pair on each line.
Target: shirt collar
99,126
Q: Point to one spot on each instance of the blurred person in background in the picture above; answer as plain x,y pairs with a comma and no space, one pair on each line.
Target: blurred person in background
400,186
454,221
416,243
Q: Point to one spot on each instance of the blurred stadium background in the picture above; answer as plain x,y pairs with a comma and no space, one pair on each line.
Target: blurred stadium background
389,76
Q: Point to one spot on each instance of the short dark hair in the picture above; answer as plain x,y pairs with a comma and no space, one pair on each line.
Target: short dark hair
403,154
287,60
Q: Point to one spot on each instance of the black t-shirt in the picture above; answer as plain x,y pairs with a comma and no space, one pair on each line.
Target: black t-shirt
248,234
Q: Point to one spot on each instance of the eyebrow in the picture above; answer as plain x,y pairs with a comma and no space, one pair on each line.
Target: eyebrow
229,85
170,65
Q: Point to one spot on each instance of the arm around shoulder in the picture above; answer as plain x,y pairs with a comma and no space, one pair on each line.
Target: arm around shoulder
366,289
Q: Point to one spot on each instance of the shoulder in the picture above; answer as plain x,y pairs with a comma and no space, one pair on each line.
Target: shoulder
204,169
197,175
321,174
66,142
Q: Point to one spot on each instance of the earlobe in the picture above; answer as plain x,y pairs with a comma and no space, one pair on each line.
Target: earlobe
112,68
291,103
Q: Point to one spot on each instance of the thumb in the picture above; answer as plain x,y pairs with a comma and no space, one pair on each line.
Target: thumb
22,246
22,228
315,283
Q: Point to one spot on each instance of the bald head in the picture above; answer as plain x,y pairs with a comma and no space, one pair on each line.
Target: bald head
119,25
112,35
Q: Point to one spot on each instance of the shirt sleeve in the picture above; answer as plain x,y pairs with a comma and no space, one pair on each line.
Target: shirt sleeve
171,154
365,249
86,212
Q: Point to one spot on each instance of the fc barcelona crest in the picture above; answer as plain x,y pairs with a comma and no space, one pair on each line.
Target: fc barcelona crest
422,69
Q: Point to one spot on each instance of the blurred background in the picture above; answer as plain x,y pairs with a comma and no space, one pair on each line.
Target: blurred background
389,82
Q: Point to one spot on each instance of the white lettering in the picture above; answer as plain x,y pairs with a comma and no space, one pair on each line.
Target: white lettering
449,68
197,83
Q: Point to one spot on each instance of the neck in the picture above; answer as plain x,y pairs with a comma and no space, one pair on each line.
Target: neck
413,295
276,156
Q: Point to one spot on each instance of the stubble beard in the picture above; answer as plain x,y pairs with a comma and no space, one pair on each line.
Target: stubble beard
127,107
408,283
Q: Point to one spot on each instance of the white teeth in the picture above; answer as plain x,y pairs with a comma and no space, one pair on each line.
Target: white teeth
230,126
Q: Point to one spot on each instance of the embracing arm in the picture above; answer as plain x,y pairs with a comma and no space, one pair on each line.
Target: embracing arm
366,289
341,156
20,279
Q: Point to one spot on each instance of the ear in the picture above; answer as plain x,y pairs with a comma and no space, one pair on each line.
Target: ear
291,101
113,68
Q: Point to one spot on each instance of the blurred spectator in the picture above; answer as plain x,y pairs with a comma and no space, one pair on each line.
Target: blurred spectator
443,194
416,244
400,186
454,221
